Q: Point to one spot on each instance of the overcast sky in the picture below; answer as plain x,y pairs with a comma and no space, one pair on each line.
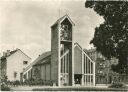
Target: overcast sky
26,24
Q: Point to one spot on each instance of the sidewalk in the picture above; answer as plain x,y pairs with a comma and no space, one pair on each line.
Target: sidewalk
29,88
102,85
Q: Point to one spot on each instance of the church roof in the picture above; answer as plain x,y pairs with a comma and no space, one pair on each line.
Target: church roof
77,44
84,50
45,58
39,58
62,18
47,55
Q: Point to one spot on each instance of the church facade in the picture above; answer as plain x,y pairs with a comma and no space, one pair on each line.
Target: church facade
67,63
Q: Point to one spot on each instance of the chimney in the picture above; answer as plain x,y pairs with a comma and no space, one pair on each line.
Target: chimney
17,49
8,52
4,54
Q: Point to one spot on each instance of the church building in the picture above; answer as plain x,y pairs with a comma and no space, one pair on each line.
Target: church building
67,64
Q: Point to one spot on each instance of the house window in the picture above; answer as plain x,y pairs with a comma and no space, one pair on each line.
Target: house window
25,62
15,74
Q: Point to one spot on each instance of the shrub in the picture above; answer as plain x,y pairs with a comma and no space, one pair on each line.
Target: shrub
16,83
4,88
117,85
48,82
65,84
4,83
34,82
31,82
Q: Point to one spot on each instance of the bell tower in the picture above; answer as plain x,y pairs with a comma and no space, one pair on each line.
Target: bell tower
62,52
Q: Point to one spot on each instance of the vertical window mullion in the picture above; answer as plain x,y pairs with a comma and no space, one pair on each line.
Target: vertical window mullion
64,64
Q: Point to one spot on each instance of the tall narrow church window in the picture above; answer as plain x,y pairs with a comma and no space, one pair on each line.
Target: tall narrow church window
64,64
91,67
88,66
84,63
61,65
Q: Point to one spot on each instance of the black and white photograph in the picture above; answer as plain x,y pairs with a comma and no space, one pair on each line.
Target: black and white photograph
64,45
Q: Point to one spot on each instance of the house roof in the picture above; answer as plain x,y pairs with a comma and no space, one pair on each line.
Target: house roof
85,50
62,18
12,52
91,50
38,59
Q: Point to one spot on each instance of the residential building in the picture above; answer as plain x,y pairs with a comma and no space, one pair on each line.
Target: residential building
67,63
13,63
104,73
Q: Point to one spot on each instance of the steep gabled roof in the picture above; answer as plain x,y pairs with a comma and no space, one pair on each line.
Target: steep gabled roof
62,18
13,52
78,45
84,50
24,53
45,60
41,57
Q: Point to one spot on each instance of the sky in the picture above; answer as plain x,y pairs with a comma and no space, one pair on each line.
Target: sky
26,24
